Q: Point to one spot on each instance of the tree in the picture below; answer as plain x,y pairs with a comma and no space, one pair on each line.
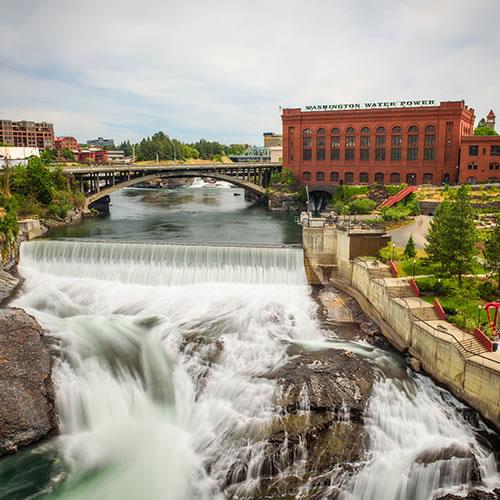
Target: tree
492,253
67,154
485,131
410,250
453,235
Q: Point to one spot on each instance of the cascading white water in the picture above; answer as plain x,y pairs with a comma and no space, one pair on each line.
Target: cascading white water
160,264
419,447
160,346
159,397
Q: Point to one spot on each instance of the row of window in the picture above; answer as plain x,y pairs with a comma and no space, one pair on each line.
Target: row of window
365,138
364,154
493,166
473,180
494,150
364,178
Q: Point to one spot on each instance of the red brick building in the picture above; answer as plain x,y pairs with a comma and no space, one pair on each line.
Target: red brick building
27,134
93,156
416,142
67,142
480,159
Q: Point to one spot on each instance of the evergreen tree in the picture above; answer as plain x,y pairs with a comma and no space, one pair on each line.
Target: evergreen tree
410,250
453,235
492,254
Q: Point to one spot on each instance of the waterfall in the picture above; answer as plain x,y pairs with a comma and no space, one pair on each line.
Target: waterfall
420,446
163,264
161,351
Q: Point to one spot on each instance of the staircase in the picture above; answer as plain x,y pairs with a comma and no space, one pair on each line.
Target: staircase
392,200
400,291
470,347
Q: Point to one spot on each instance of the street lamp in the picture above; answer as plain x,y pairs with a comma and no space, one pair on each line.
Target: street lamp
414,262
479,315
393,248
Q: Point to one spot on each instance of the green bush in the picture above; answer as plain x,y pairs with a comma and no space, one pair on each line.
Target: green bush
362,206
394,189
386,253
284,177
394,214
487,291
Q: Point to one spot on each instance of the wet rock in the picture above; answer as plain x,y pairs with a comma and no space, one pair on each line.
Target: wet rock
414,364
474,495
8,284
27,412
321,398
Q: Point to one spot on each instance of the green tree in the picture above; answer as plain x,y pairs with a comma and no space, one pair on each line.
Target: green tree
410,250
453,235
485,131
67,154
492,253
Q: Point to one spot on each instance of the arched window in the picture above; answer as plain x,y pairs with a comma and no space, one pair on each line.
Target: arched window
350,138
412,153
307,144
430,143
396,143
349,178
363,178
350,142
334,176
335,144
306,176
428,178
380,144
379,178
493,180
364,141
321,144
411,179
395,178
471,180
320,176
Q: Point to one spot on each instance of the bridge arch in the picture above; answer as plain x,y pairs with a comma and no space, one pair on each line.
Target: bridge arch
247,185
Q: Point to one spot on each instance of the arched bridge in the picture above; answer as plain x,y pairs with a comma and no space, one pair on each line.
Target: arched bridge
96,181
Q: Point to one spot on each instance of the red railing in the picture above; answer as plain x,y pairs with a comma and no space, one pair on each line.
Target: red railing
483,339
415,288
392,200
439,309
393,269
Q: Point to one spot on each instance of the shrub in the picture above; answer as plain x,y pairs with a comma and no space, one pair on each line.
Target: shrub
394,214
386,253
487,291
362,206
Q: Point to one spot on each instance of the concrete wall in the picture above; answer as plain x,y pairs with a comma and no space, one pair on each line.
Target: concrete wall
474,379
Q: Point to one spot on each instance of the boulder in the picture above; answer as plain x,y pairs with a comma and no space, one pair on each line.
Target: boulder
8,284
474,495
27,410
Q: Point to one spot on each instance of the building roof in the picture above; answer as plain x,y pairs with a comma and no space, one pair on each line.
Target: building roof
491,114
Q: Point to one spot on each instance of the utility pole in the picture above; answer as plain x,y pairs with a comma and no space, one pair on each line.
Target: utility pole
157,160
175,152
133,153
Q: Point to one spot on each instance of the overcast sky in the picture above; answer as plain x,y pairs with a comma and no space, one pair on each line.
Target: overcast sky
221,69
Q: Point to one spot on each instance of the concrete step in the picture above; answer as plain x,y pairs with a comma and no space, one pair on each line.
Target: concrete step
425,313
470,347
400,291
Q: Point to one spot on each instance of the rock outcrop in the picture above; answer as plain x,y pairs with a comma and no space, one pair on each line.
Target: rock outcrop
475,495
8,284
321,397
282,201
27,412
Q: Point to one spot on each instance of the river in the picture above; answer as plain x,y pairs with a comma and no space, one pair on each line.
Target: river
173,322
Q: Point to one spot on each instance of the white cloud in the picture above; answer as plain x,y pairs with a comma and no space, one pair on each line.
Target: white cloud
220,69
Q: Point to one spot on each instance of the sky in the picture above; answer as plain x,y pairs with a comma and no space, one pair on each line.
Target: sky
221,69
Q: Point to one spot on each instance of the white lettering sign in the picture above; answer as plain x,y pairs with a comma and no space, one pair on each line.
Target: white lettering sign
370,105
